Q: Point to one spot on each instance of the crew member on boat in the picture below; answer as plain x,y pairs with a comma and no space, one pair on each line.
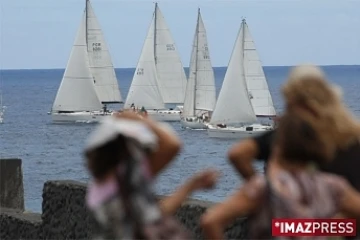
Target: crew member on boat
143,111
203,117
105,109
132,107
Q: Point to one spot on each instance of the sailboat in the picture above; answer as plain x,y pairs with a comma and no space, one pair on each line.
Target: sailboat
159,78
89,82
200,95
244,94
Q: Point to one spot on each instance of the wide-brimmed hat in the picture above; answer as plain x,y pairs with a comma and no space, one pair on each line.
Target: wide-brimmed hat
111,127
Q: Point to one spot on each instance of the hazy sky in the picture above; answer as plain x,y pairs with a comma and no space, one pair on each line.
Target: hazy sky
40,33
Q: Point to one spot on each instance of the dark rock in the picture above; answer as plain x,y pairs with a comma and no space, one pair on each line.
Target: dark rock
65,216
15,224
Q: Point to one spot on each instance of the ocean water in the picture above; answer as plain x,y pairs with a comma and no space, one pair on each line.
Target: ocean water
54,152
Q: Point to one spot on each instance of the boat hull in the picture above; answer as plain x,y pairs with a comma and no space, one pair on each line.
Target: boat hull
237,132
2,111
164,115
197,124
78,117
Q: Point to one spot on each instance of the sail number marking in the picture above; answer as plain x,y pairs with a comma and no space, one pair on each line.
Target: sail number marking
206,53
96,46
140,71
170,47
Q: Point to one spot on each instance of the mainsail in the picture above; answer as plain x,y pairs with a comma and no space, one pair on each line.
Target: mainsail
101,66
255,78
170,71
200,91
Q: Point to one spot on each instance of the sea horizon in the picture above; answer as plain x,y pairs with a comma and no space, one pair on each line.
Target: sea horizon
269,66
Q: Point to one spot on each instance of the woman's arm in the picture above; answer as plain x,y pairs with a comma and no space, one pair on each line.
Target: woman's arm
169,146
242,203
241,155
202,180
349,200
168,143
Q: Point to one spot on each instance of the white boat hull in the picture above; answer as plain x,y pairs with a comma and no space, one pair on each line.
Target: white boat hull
238,132
164,115
2,111
195,124
79,117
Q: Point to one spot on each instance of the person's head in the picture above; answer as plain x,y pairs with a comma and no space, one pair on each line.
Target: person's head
115,141
104,159
300,139
308,90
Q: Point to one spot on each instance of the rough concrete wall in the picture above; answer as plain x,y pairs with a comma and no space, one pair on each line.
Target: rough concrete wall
189,215
18,225
11,184
66,217
65,214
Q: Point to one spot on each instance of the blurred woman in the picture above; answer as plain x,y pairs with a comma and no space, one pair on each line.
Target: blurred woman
124,154
308,90
292,188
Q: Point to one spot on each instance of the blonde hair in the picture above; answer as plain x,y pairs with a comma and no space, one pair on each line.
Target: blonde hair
308,90
301,140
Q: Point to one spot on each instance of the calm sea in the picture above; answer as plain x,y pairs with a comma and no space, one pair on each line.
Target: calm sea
53,152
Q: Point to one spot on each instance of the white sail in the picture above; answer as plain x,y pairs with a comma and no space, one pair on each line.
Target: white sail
76,91
233,105
200,91
205,79
189,102
172,79
255,78
106,84
144,91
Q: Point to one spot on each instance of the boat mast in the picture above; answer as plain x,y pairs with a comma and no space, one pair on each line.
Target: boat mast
243,24
155,27
86,24
196,56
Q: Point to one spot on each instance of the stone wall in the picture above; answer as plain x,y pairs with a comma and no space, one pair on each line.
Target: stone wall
15,224
11,184
65,216
64,212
